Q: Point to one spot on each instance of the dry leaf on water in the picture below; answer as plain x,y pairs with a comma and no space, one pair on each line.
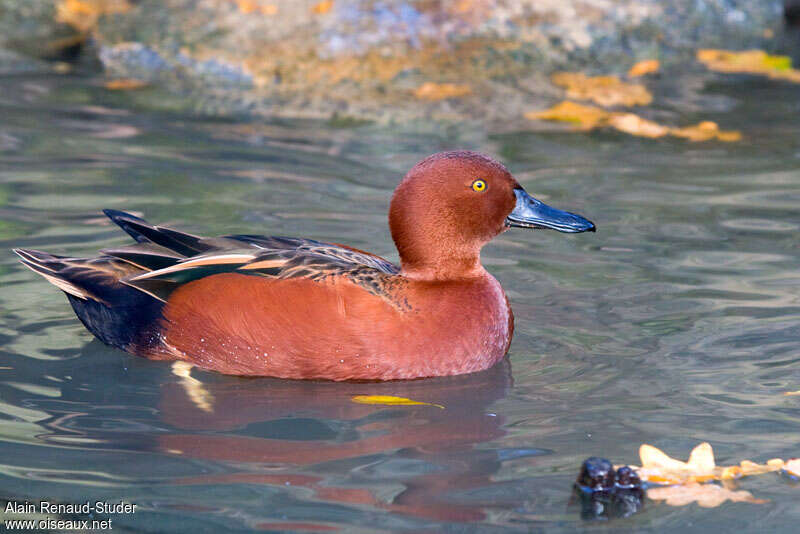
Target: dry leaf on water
440,91
584,117
642,68
124,84
704,131
705,495
604,90
750,62
633,124
659,468
388,400
751,468
587,118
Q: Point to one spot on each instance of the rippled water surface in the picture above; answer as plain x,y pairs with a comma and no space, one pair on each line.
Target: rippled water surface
677,322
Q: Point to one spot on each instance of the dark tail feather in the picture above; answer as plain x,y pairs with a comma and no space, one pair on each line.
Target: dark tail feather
144,232
49,262
117,314
125,221
51,268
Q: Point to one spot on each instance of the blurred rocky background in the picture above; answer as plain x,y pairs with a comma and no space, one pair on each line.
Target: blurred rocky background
376,60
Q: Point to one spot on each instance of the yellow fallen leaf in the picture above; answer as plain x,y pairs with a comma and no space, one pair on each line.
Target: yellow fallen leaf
704,131
732,472
584,117
440,91
790,393
659,468
775,463
729,136
124,84
747,468
322,7
750,62
793,467
654,458
633,124
389,400
604,90
705,495
642,68
701,459
587,118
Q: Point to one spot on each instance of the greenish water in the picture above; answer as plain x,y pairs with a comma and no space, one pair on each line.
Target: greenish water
677,322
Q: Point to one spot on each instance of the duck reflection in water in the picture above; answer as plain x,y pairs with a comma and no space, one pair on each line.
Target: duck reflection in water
271,431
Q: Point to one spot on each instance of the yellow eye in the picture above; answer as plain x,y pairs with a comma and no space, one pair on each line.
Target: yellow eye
479,186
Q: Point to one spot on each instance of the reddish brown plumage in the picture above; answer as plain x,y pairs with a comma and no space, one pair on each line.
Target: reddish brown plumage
443,315
294,308
439,224
333,329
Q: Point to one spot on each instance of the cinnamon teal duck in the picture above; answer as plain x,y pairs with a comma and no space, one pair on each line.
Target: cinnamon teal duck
303,309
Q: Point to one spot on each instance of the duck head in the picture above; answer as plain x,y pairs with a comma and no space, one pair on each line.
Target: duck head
451,204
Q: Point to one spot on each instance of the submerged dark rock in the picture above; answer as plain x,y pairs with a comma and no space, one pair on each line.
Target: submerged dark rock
597,474
607,493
